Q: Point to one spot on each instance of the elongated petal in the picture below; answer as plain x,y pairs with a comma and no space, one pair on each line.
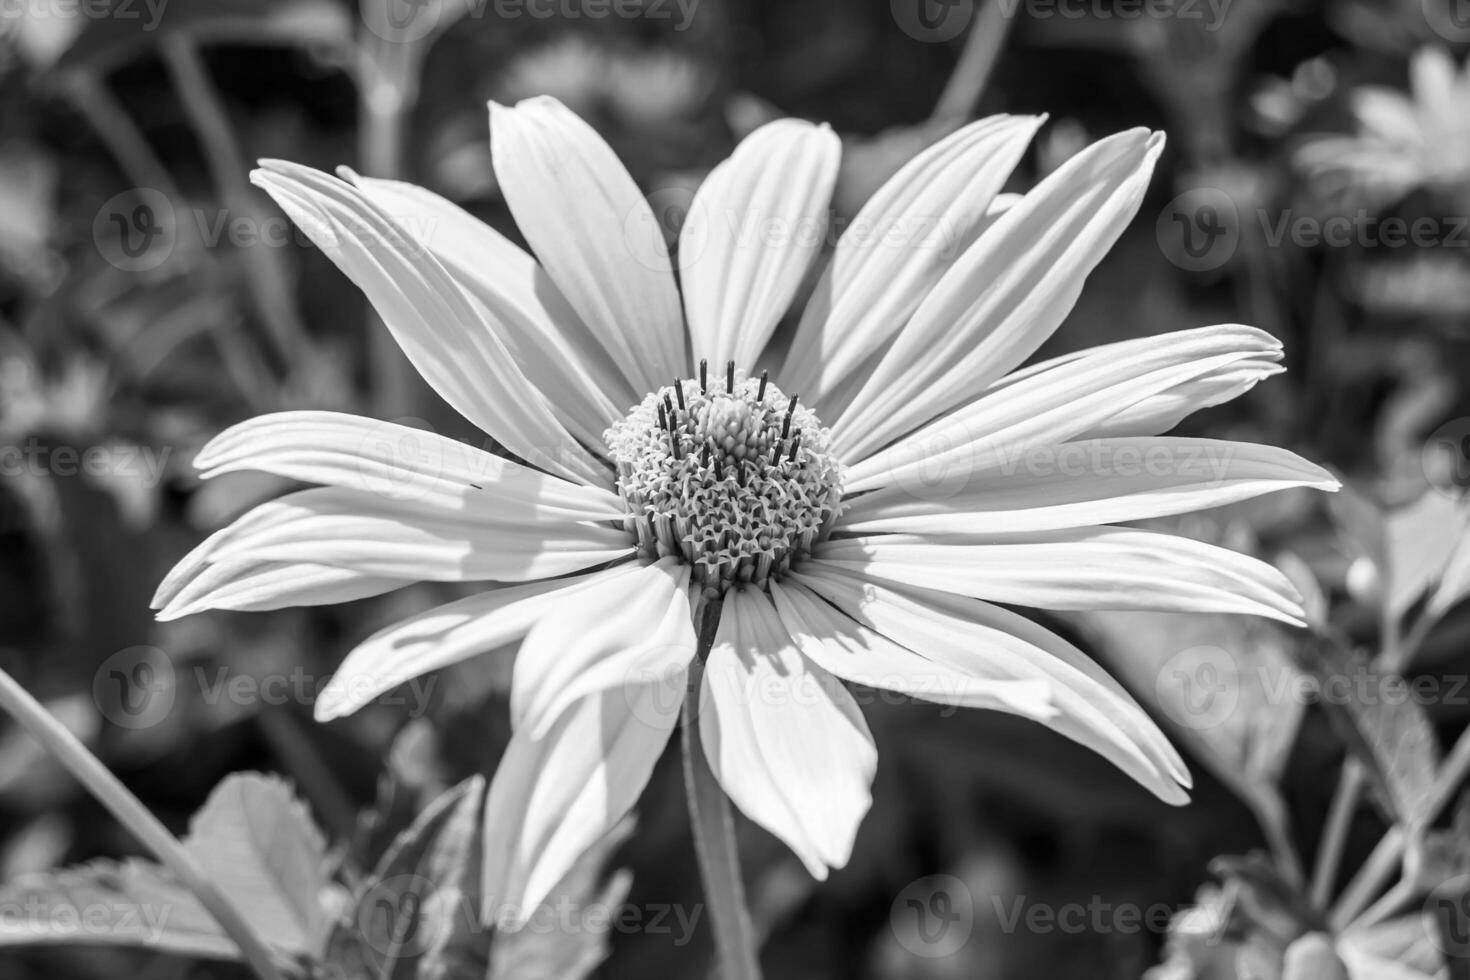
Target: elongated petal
1089,568
519,301
429,315
840,645
633,630
408,540
553,797
1100,481
400,463
1260,357
783,736
260,586
897,248
594,233
448,634
753,230
1004,296
1089,706
1053,406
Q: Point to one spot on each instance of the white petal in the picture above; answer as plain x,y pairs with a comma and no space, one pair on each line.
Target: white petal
897,248
633,630
395,539
448,634
1004,296
1260,357
260,586
594,233
838,644
1090,707
783,736
519,302
1087,568
1053,406
429,315
753,230
401,463
554,797
1099,481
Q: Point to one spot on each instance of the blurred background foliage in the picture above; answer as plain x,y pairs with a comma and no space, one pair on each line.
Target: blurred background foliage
149,297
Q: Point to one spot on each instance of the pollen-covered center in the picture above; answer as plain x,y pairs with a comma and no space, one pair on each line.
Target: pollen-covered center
728,473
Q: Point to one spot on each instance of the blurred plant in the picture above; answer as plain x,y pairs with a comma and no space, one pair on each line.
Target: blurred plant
1403,143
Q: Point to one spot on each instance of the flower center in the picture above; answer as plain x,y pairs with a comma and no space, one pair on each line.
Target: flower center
728,473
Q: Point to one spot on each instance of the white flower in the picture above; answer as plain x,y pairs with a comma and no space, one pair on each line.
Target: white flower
1403,142
869,551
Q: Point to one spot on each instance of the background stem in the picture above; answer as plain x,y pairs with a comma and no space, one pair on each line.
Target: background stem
131,813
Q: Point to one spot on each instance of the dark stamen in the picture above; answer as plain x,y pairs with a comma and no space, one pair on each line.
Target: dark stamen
673,419
730,377
663,420
761,394
786,425
795,445
674,444
704,455
679,394
703,376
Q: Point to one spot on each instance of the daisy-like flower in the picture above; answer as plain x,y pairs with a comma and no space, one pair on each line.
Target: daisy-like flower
854,515
1404,141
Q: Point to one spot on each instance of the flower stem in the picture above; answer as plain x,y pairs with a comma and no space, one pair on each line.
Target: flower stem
714,830
131,813
1339,822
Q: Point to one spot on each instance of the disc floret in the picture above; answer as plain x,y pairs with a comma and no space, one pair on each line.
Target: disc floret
729,474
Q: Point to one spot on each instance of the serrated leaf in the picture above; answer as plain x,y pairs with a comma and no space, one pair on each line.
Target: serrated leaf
128,903
259,844
1391,735
417,916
